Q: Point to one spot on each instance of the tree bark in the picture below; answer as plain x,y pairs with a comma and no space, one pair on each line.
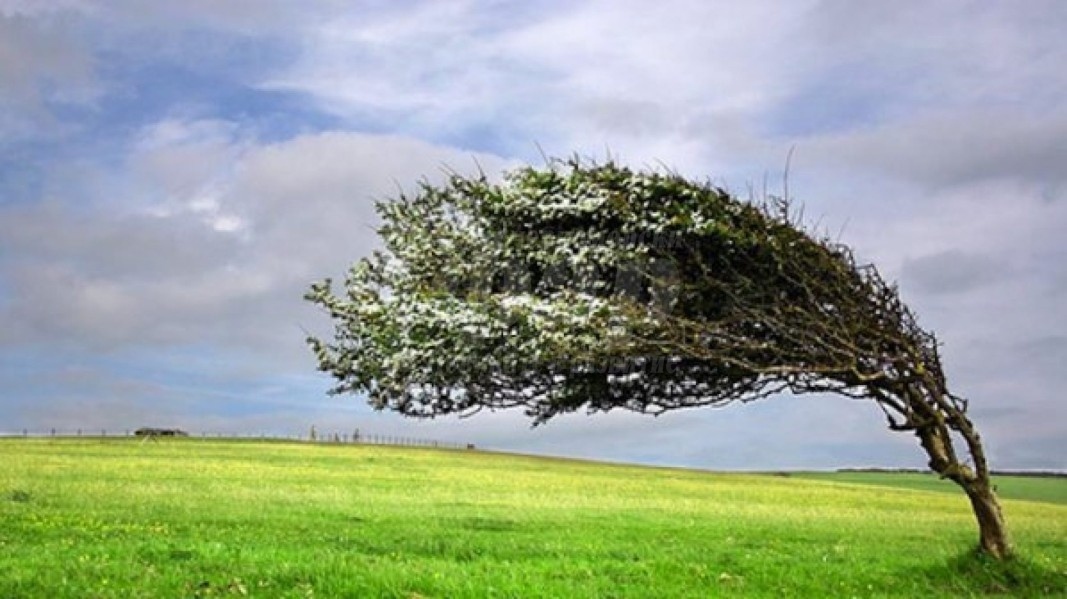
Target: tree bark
936,439
993,537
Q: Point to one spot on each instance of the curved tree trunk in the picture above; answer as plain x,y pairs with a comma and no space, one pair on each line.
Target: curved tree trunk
993,537
940,418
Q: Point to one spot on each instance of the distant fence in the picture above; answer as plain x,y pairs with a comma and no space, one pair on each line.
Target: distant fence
324,437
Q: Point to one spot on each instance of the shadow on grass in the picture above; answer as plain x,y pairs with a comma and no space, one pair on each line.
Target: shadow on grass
973,572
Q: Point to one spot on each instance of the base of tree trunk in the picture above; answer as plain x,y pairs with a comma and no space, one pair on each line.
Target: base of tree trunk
993,536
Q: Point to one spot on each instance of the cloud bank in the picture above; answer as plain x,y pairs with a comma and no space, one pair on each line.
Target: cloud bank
173,176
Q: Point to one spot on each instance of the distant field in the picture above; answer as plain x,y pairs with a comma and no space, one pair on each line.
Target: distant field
1027,488
198,518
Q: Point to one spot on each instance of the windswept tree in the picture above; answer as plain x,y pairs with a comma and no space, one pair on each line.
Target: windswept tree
592,286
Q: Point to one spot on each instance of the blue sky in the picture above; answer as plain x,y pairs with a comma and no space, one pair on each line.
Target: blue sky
174,175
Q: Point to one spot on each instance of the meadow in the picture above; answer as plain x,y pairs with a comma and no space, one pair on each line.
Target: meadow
207,518
1029,488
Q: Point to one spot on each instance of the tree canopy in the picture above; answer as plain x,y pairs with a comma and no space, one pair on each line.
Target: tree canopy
593,286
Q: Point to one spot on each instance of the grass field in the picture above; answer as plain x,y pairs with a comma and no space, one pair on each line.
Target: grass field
1028,488
190,517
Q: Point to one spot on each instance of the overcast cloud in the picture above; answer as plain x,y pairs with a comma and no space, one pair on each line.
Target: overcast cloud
174,175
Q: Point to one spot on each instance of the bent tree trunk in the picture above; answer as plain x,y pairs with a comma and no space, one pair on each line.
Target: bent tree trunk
942,416
993,536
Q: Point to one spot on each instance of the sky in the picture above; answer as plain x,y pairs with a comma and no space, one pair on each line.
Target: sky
174,175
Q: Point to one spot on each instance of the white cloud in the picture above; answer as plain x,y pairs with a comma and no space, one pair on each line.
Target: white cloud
44,61
181,132
14,8
600,74
930,133
955,54
961,147
186,264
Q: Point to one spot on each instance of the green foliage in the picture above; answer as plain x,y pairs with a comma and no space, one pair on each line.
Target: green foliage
186,518
594,285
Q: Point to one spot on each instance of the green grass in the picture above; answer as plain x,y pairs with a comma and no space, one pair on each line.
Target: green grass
1028,488
187,518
